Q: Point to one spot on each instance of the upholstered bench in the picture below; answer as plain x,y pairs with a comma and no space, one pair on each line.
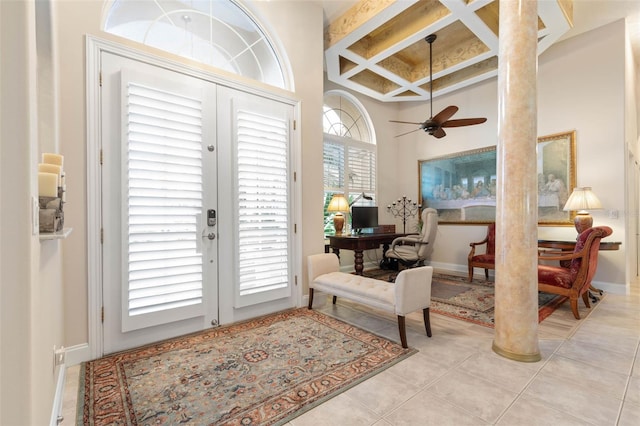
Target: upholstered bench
410,292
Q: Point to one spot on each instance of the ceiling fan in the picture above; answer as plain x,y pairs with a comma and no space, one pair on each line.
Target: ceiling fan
434,125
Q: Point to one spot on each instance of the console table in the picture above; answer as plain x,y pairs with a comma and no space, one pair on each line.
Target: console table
360,243
571,245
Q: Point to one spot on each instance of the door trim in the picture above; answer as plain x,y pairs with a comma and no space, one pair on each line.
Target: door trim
94,47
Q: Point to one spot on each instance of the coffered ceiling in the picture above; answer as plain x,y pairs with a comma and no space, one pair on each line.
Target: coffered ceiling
378,47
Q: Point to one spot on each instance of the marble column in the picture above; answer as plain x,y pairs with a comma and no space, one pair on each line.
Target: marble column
516,303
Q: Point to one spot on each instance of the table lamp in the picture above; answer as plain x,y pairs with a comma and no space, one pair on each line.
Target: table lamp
338,205
582,199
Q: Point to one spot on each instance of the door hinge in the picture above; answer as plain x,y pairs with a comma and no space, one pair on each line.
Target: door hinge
295,176
294,124
101,235
295,280
295,228
100,78
102,314
101,156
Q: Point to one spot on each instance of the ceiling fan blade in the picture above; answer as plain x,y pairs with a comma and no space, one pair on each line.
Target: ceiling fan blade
404,122
445,114
439,133
402,134
463,122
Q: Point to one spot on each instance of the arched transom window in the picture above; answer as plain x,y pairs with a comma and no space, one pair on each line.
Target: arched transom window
220,33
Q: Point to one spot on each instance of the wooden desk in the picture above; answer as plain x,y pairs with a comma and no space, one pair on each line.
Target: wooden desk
360,243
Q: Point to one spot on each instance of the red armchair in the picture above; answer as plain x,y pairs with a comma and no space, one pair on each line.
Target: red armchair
486,260
575,280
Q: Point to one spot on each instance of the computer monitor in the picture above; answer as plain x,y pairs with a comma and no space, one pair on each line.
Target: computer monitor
363,217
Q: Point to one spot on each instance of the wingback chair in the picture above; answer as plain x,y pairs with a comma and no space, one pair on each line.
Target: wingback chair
413,250
575,280
486,260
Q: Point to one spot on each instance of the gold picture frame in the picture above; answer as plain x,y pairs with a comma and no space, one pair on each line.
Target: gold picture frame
462,186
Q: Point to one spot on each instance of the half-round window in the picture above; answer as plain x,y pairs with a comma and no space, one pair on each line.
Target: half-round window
220,33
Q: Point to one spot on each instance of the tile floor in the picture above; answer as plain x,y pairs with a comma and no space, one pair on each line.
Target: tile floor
589,373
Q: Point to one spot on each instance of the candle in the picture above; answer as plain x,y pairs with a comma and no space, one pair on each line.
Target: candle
47,184
53,159
51,168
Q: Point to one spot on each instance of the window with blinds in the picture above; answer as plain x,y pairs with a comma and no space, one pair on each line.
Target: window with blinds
349,154
263,208
163,197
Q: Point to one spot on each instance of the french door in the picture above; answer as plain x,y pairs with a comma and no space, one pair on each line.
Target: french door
196,190
159,203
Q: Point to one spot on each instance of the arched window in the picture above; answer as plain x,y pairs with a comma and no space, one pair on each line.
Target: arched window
220,33
349,153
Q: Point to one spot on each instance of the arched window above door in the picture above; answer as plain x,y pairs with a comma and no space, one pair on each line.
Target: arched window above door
220,33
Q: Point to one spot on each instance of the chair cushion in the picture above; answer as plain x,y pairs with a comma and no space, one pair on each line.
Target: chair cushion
555,276
484,258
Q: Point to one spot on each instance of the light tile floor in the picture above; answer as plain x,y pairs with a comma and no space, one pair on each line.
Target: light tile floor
589,373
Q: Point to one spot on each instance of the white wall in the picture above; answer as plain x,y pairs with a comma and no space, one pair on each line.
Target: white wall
580,87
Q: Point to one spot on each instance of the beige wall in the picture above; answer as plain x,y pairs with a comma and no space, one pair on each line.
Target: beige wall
30,271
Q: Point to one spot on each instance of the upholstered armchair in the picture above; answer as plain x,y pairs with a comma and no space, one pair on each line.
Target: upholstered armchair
413,250
486,260
574,281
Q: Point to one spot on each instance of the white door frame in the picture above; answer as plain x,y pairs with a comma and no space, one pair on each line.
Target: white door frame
93,49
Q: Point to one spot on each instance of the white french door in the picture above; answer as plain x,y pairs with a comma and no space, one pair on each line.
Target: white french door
196,202
159,199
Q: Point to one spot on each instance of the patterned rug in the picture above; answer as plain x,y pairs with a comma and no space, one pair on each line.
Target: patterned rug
454,296
264,371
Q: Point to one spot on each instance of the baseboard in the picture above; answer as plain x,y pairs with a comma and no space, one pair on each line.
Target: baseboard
77,354
58,398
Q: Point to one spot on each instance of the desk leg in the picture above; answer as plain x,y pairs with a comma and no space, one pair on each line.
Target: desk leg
337,252
358,257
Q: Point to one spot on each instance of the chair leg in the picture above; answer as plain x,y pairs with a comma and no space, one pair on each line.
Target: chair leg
486,274
470,273
427,321
403,331
335,298
574,306
585,297
310,298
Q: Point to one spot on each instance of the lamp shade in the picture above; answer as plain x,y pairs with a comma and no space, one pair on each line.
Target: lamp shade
338,204
582,199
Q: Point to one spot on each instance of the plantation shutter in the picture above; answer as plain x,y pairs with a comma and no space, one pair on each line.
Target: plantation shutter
263,207
163,198
333,160
362,169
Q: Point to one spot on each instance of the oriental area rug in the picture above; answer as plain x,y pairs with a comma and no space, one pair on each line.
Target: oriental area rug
454,296
260,372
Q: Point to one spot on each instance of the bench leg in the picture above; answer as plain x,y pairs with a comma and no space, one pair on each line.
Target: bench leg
310,298
427,321
403,331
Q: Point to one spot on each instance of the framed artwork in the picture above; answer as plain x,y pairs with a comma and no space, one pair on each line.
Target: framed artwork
462,186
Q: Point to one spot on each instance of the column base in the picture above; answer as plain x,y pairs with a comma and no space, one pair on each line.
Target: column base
514,356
